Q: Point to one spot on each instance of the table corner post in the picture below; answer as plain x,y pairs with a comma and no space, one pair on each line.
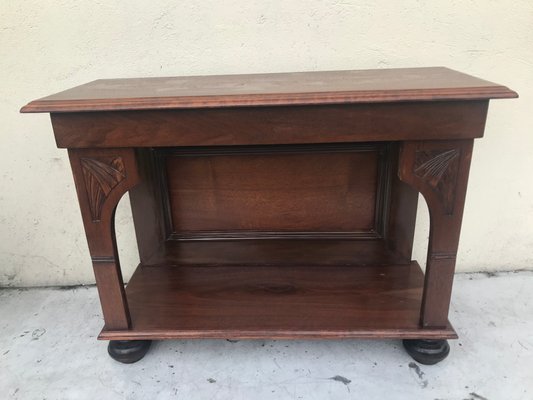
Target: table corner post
439,171
102,176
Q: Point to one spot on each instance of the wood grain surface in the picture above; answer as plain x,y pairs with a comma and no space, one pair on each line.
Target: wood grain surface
272,125
273,251
292,191
276,302
300,88
269,155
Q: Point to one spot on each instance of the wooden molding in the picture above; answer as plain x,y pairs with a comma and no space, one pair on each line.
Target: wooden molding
383,190
253,235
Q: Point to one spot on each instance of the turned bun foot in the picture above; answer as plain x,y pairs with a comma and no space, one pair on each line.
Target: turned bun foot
427,352
128,351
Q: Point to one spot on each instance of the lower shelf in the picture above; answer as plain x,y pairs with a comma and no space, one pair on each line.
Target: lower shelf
278,302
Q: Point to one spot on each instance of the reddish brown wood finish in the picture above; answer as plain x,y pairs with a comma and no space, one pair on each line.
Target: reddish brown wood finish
336,188
101,178
302,88
153,224
272,125
401,215
146,201
439,170
276,302
275,251
321,234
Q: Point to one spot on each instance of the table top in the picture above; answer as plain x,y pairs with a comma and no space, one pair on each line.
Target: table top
299,88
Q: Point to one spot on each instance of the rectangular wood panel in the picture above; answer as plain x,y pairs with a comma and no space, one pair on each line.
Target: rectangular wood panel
271,125
275,192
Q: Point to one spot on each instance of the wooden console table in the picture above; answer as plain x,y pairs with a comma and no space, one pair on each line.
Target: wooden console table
275,205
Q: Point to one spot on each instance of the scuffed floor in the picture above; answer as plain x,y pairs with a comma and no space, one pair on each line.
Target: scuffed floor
48,350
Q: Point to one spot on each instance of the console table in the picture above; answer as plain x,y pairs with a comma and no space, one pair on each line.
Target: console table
275,205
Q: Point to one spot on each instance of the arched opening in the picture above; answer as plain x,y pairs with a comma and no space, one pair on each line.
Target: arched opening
126,240
421,237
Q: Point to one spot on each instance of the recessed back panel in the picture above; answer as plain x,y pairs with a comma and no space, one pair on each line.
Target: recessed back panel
275,192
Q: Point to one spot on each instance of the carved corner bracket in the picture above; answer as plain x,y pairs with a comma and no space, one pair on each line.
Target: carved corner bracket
438,169
433,169
101,176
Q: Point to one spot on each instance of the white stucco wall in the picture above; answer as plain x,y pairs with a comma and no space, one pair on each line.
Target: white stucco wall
47,46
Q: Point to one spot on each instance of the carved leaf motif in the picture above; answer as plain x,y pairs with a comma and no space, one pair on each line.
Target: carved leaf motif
101,177
436,166
439,170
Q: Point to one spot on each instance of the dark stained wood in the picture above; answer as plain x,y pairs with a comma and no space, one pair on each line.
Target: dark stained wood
439,170
146,201
101,178
276,302
149,219
303,88
275,251
275,205
401,213
291,191
272,125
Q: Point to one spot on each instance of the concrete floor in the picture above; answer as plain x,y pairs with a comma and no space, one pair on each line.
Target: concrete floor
48,350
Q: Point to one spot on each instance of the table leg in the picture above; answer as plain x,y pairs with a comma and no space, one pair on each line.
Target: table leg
128,351
438,170
102,176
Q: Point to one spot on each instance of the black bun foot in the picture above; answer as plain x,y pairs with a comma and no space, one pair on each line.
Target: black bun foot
128,351
427,352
